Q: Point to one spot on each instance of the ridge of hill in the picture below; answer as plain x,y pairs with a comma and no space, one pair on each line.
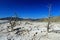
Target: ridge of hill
53,19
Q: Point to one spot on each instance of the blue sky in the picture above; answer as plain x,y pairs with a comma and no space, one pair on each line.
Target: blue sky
29,8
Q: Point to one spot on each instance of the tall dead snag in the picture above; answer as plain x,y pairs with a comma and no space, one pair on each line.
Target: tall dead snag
49,15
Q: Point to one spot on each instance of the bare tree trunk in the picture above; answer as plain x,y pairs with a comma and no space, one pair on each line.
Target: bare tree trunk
48,26
49,15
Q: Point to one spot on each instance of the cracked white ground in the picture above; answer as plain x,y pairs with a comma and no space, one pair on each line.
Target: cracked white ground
30,31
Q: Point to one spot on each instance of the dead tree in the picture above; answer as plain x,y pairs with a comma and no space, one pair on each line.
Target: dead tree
49,16
13,21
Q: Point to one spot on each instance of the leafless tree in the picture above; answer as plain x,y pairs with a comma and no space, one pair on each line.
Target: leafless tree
13,21
49,16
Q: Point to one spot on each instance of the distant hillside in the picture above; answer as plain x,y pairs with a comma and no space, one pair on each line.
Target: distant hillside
53,19
21,19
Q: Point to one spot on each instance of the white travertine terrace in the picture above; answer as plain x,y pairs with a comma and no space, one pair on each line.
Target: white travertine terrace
30,31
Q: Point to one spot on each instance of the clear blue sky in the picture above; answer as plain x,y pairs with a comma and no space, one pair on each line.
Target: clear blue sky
29,8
